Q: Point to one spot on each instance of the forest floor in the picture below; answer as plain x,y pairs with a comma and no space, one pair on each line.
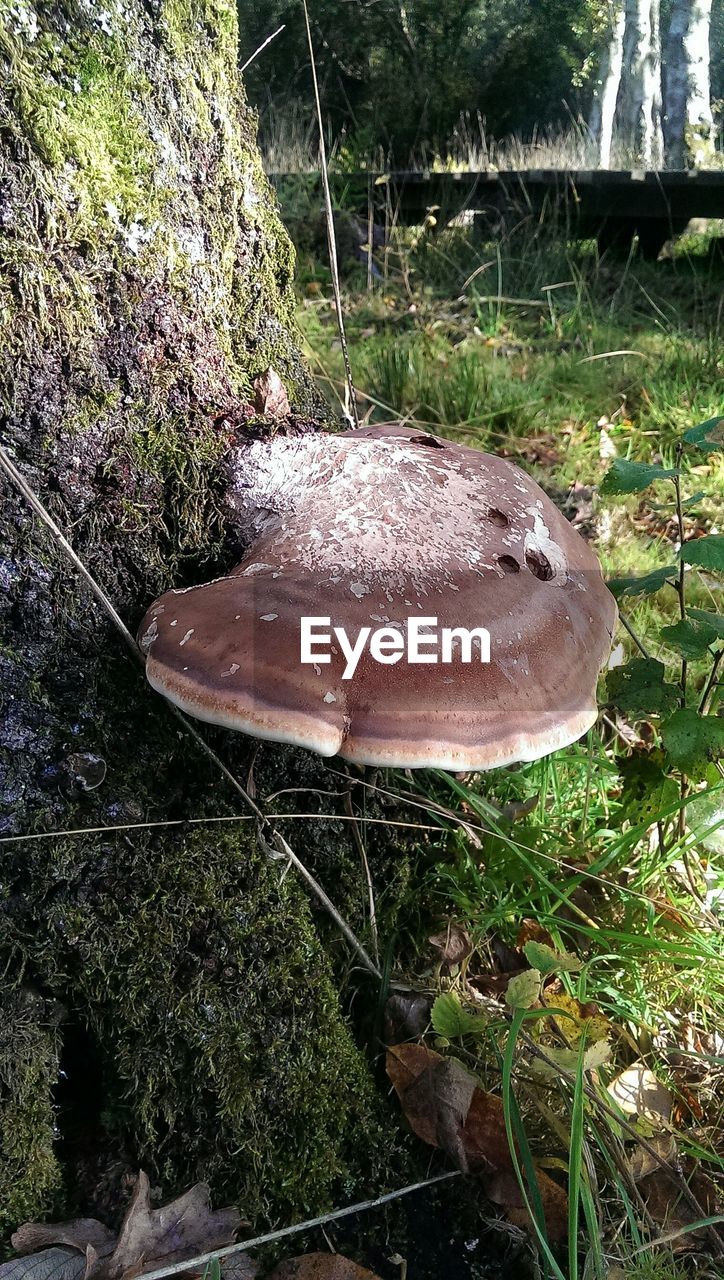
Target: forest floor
607,854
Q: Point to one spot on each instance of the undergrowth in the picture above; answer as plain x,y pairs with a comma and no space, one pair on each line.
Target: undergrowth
575,365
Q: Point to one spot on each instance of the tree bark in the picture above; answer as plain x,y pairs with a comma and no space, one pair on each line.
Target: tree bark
688,122
640,96
165,996
603,109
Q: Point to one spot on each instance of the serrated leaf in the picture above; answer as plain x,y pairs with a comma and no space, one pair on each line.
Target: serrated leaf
49,1264
639,688
692,741
645,586
523,990
713,620
647,789
707,436
624,476
544,958
450,1019
690,639
707,553
567,1059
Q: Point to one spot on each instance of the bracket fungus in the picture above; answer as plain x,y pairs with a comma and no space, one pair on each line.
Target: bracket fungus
389,530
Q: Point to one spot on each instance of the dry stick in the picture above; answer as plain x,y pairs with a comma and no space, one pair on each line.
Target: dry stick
262,46
309,1225
282,847
627,627
199,822
331,239
360,847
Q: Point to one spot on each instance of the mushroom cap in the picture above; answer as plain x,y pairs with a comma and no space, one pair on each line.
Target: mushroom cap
370,528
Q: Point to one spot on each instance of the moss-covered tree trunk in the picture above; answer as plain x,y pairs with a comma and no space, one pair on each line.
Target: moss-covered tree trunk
165,999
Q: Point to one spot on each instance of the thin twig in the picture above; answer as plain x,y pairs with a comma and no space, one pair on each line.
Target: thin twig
331,238
193,1264
262,46
711,682
627,627
104,600
360,847
197,822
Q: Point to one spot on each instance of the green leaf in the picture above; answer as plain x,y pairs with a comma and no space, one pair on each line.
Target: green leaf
523,990
713,620
639,688
693,741
690,639
645,586
546,960
567,1059
647,790
708,553
450,1019
631,477
707,436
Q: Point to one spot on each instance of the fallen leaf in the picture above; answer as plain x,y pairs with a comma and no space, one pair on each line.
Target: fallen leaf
270,394
76,1234
532,931
321,1266
555,1206
49,1264
523,990
567,1059
447,1108
540,956
671,1212
642,1162
407,1016
638,1093
576,1017
148,1237
452,946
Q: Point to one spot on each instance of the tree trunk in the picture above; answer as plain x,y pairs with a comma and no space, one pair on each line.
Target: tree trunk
175,975
607,87
639,100
688,123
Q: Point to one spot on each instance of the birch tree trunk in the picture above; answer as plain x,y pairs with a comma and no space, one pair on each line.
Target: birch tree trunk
640,124
603,111
164,996
688,123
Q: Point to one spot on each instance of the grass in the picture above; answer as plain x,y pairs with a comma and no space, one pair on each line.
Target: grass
601,861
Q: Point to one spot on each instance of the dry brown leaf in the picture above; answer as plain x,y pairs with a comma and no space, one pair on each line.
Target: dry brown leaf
446,1108
452,945
642,1160
321,1266
76,1234
532,931
671,1212
270,395
407,1016
148,1237
638,1093
553,1198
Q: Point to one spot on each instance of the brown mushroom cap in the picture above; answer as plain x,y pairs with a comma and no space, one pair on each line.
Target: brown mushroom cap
370,528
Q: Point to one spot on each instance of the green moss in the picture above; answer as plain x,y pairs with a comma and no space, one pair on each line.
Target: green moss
29,1171
199,976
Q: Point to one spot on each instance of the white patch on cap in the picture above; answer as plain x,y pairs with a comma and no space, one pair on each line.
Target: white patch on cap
329,697
188,636
149,636
231,672
359,589
268,617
